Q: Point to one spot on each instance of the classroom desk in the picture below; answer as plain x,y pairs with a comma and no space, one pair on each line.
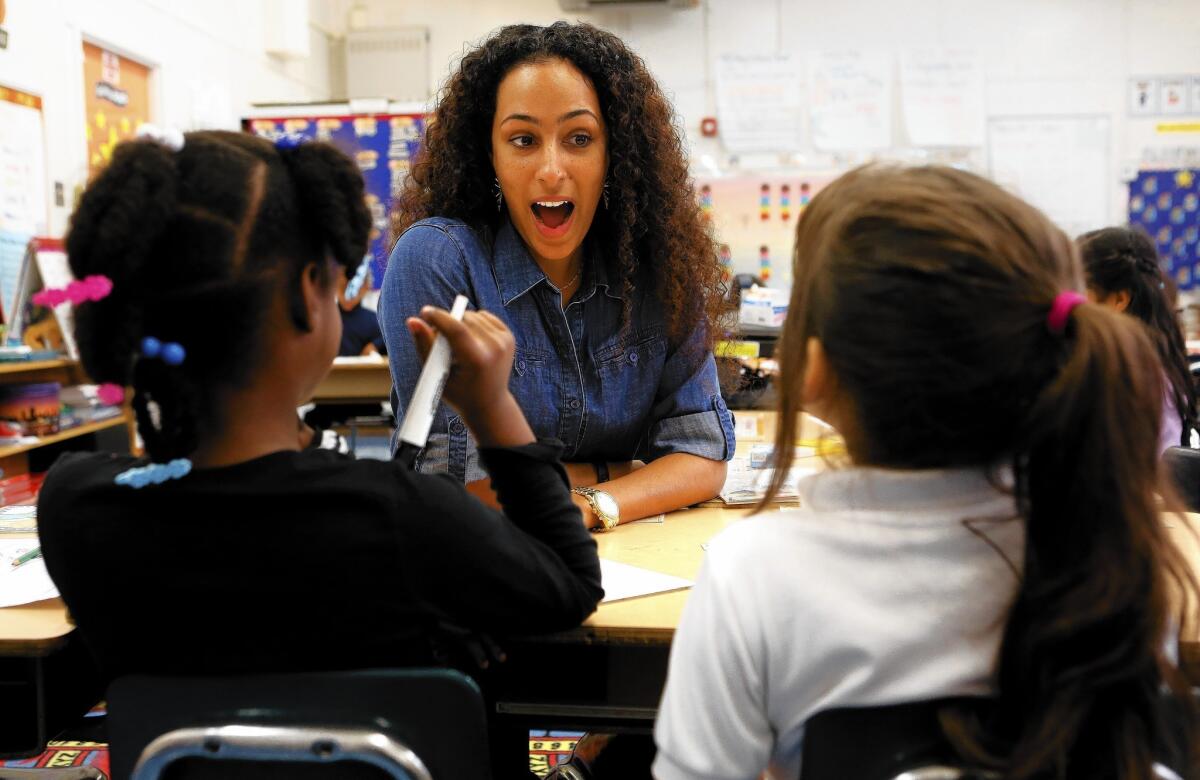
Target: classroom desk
355,379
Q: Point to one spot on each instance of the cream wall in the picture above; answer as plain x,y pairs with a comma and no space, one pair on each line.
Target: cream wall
209,61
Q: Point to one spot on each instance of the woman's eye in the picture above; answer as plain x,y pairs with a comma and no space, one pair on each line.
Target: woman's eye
522,140
581,139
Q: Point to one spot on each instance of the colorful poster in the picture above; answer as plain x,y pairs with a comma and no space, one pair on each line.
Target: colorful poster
1166,204
383,145
116,100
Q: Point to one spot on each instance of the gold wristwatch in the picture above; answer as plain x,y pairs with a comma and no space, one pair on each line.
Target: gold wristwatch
603,504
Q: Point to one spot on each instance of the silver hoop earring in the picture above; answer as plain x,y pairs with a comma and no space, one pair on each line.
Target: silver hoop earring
498,192
604,194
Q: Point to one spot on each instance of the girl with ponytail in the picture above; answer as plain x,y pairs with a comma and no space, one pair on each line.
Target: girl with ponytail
223,546
1123,273
997,531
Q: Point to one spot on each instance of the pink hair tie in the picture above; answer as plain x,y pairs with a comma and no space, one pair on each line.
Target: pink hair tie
90,288
1060,311
110,394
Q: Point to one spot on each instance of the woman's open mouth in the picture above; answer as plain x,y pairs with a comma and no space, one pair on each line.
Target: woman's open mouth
552,217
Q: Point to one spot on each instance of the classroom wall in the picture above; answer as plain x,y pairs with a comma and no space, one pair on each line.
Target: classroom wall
1040,57
208,58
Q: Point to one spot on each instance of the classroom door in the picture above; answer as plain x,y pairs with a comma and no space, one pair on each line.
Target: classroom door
117,100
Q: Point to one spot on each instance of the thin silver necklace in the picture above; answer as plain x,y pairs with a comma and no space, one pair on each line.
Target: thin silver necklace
570,282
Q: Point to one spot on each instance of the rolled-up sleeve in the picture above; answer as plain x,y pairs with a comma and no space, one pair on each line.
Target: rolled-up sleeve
428,266
689,414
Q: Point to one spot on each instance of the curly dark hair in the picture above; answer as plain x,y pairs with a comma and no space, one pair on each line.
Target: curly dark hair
652,229
196,243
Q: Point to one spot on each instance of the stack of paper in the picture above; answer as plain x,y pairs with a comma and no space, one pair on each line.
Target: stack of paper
745,485
622,581
26,583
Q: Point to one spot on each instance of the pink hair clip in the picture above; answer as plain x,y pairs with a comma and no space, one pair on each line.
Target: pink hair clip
90,288
1060,311
110,394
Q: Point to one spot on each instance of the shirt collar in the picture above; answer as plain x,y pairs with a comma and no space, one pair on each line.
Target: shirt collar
934,494
517,273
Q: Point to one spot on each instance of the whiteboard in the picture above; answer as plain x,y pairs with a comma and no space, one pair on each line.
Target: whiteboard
1059,164
851,100
758,102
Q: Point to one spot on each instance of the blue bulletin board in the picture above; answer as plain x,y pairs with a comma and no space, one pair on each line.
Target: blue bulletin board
1166,204
383,145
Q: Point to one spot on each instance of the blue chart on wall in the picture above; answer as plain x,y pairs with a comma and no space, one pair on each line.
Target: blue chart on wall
383,145
1166,204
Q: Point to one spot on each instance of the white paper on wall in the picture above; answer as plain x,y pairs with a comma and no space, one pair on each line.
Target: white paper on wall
759,102
1059,164
22,170
850,97
942,97
1173,96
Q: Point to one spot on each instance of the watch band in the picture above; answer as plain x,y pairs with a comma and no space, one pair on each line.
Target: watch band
607,521
601,471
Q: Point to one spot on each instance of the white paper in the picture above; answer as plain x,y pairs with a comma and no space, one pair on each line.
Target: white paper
28,582
1143,97
56,272
22,170
850,94
746,485
1173,96
622,581
941,92
1059,164
758,102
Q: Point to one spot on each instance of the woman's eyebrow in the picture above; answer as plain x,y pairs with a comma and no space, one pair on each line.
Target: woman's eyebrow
577,112
521,118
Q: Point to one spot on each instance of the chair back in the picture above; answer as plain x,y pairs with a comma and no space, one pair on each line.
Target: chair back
906,742
414,724
1183,466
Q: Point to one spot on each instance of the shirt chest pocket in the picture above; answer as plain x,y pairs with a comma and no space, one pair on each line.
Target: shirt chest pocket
636,355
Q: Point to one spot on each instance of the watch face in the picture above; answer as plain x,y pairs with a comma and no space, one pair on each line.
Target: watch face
607,504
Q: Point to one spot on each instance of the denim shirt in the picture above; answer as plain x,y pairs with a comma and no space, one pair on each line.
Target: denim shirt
606,392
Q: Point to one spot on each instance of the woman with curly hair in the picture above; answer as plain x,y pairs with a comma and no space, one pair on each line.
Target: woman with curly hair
552,190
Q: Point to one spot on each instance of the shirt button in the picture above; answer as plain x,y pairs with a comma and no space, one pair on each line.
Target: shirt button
573,403
633,358
457,427
521,364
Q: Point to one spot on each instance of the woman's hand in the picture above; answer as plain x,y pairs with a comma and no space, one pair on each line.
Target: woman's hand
482,348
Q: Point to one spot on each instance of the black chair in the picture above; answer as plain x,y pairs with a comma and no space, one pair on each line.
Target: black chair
1183,465
896,742
414,724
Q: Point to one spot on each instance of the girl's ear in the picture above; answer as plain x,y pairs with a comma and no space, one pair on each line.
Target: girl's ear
1120,300
313,292
817,388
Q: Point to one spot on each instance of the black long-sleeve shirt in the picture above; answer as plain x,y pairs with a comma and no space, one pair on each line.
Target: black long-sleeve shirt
310,560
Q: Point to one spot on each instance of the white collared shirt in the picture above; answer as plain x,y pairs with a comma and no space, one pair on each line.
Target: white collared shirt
886,586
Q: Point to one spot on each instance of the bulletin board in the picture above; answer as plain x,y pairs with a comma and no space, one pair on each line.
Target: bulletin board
383,145
116,101
1166,204
1059,164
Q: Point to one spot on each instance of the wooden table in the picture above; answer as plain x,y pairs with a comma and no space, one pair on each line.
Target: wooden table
355,379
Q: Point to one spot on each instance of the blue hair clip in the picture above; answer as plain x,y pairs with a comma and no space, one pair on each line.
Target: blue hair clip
288,140
360,276
172,354
155,473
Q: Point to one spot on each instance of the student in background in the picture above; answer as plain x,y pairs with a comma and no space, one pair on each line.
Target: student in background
997,532
551,188
1123,273
229,549
361,334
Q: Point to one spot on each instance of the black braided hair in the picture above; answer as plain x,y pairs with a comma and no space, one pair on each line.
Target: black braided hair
197,242
1122,258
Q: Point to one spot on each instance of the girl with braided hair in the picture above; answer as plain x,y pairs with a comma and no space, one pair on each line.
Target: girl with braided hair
223,251
1123,273
552,189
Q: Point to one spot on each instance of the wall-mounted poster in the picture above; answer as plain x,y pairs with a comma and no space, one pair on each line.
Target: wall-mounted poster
116,100
382,144
1166,204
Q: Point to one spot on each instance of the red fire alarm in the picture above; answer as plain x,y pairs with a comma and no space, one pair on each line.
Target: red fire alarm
708,127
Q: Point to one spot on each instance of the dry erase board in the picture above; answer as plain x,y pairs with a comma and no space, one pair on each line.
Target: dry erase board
1059,164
